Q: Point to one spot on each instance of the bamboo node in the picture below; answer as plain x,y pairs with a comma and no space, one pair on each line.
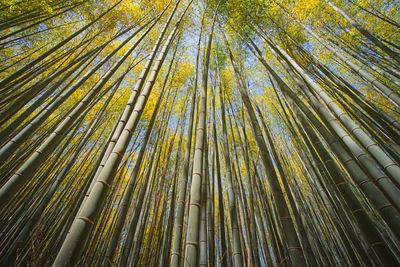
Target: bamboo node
103,182
197,173
129,130
333,119
294,248
368,146
382,177
195,204
86,219
330,102
377,244
176,253
110,261
363,182
389,165
350,159
283,260
118,153
343,136
355,129
360,155
385,206
192,243
356,210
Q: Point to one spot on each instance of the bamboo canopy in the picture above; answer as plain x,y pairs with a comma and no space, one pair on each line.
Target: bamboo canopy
199,133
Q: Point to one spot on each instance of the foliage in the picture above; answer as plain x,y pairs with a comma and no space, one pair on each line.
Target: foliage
267,132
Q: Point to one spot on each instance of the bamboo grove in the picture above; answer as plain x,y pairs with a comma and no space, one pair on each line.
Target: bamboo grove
199,133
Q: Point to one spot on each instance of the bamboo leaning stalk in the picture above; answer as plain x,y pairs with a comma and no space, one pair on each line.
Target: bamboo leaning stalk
374,12
38,87
352,91
31,64
385,183
380,201
31,92
39,22
389,124
18,84
17,19
277,159
167,239
192,235
203,242
67,166
363,219
146,256
395,56
80,118
11,232
232,199
9,148
170,224
70,251
379,155
383,89
134,241
132,99
210,210
345,214
129,190
221,213
255,260
178,220
134,223
8,132
29,167
295,250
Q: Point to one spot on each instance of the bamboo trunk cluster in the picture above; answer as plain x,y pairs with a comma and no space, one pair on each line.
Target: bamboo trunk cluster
205,133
